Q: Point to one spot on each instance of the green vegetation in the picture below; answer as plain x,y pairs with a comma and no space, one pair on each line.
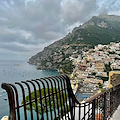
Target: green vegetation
116,69
117,58
103,78
100,35
67,67
57,103
43,62
100,85
111,52
93,73
103,90
107,68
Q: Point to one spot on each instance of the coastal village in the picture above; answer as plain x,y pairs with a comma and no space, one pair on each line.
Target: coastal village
96,70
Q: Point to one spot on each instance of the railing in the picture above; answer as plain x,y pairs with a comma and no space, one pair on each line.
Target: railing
52,98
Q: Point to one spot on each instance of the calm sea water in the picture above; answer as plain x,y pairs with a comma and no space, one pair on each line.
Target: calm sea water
12,71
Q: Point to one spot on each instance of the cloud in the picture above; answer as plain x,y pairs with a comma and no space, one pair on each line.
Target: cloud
76,11
110,6
27,26
29,23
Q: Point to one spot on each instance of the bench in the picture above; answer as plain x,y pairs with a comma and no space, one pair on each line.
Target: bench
52,98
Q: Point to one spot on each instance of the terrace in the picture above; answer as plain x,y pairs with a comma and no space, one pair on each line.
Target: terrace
52,98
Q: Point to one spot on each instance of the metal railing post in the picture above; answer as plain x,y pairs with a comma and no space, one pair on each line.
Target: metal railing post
104,110
12,114
111,101
93,110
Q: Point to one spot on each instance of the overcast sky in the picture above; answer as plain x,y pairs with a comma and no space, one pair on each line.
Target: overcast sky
27,26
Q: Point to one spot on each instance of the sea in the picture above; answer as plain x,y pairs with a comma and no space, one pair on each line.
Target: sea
12,71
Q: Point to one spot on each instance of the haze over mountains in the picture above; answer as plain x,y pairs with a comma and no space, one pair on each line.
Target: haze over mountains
101,29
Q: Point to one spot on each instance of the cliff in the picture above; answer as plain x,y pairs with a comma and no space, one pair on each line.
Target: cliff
101,29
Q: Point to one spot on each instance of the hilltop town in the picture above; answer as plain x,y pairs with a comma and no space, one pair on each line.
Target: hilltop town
101,29
92,67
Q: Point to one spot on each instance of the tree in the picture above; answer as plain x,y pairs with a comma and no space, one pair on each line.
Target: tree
59,99
93,73
100,85
107,68
68,67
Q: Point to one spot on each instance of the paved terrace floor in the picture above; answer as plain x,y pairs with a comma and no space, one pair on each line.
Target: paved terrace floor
116,115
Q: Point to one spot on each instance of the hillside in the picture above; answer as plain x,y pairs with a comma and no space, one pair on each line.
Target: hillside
101,29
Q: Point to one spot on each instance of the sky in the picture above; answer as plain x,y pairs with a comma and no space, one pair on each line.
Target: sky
27,26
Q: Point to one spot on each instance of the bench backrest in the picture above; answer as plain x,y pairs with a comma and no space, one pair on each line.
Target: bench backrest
48,98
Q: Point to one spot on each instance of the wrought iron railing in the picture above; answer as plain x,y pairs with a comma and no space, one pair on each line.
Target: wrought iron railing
52,98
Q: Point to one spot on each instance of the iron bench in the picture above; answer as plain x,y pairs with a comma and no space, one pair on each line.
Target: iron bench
52,98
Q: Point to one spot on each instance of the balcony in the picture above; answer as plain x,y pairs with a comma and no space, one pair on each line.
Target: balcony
116,115
52,98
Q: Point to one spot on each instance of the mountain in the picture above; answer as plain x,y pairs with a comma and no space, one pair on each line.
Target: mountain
101,29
